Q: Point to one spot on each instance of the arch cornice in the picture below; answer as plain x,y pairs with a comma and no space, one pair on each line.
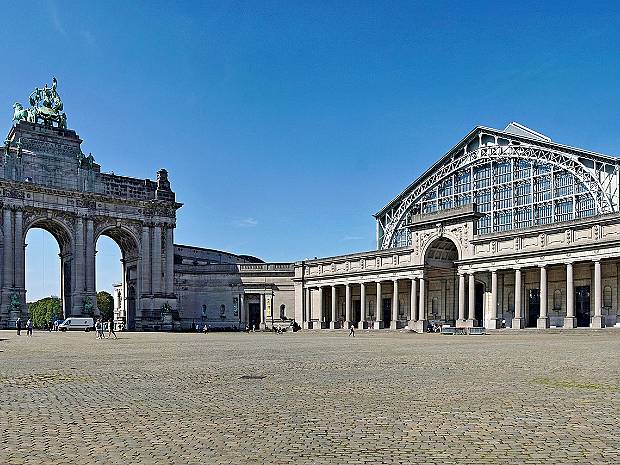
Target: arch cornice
496,152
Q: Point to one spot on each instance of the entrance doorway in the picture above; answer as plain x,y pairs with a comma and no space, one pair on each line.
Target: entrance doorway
479,304
582,305
387,312
533,305
253,315
357,311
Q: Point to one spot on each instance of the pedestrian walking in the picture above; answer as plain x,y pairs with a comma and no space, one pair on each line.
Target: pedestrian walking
18,325
98,329
111,329
352,331
29,327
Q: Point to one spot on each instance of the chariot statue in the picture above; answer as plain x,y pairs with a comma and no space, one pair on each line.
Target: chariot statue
45,106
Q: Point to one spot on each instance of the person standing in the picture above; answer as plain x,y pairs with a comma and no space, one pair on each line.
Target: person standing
98,329
111,329
29,327
18,325
352,331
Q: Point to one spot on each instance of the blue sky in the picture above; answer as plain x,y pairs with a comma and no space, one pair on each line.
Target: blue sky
285,125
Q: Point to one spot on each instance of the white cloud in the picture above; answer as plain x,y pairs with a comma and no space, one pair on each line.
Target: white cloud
55,19
245,222
351,238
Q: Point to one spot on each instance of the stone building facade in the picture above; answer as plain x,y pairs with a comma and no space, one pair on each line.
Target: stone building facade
507,229
47,182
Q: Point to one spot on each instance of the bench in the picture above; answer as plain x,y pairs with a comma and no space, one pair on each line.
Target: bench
476,331
448,330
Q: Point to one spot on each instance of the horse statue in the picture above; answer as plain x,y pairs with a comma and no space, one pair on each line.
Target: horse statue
22,114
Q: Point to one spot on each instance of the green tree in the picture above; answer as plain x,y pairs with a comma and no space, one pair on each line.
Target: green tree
44,310
105,303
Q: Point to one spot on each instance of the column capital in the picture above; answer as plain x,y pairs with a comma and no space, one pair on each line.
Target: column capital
596,260
542,266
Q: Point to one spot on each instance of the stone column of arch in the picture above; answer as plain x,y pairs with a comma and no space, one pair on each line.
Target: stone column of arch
20,253
421,323
145,257
169,273
7,229
156,260
79,272
307,313
91,292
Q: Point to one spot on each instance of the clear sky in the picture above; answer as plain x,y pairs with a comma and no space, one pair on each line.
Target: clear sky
286,125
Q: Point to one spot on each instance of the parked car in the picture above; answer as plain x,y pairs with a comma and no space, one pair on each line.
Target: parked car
77,324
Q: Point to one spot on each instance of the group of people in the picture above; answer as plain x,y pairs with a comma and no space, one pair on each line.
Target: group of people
102,327
19,324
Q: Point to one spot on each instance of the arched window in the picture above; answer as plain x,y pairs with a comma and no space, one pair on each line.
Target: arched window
222,311
557,300
607,297
435,306
511,302
204,310
283,312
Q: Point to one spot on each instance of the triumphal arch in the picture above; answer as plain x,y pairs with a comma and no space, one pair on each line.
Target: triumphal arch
47,182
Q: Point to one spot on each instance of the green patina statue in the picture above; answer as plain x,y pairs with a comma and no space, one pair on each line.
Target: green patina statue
45,105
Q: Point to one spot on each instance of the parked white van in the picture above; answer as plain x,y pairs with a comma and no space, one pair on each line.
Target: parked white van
77,324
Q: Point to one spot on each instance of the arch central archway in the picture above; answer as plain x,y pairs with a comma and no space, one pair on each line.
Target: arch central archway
125,293
65,244
440,273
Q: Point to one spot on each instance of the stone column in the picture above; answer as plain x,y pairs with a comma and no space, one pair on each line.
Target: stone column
461,320
413,303
8,243
598,320
263,317
543,319
307,315
333,324
20,254
145,257
378,321
78,253
156,260
362,306
90,264
471,318
394,322
319,323
347,306
169,275
570,321
517,321
243,317
421,323
493,322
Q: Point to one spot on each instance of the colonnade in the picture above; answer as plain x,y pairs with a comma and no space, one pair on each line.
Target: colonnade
314,318
418,314
518,321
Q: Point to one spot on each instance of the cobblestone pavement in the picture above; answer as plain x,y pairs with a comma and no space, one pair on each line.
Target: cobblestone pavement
311,398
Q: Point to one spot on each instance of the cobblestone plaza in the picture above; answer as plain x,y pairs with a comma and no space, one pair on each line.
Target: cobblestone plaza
311,398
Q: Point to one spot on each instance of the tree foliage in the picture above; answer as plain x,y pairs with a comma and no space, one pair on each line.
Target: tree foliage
44,310
105,304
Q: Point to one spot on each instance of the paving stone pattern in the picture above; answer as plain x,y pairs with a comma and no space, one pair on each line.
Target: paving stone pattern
311,398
